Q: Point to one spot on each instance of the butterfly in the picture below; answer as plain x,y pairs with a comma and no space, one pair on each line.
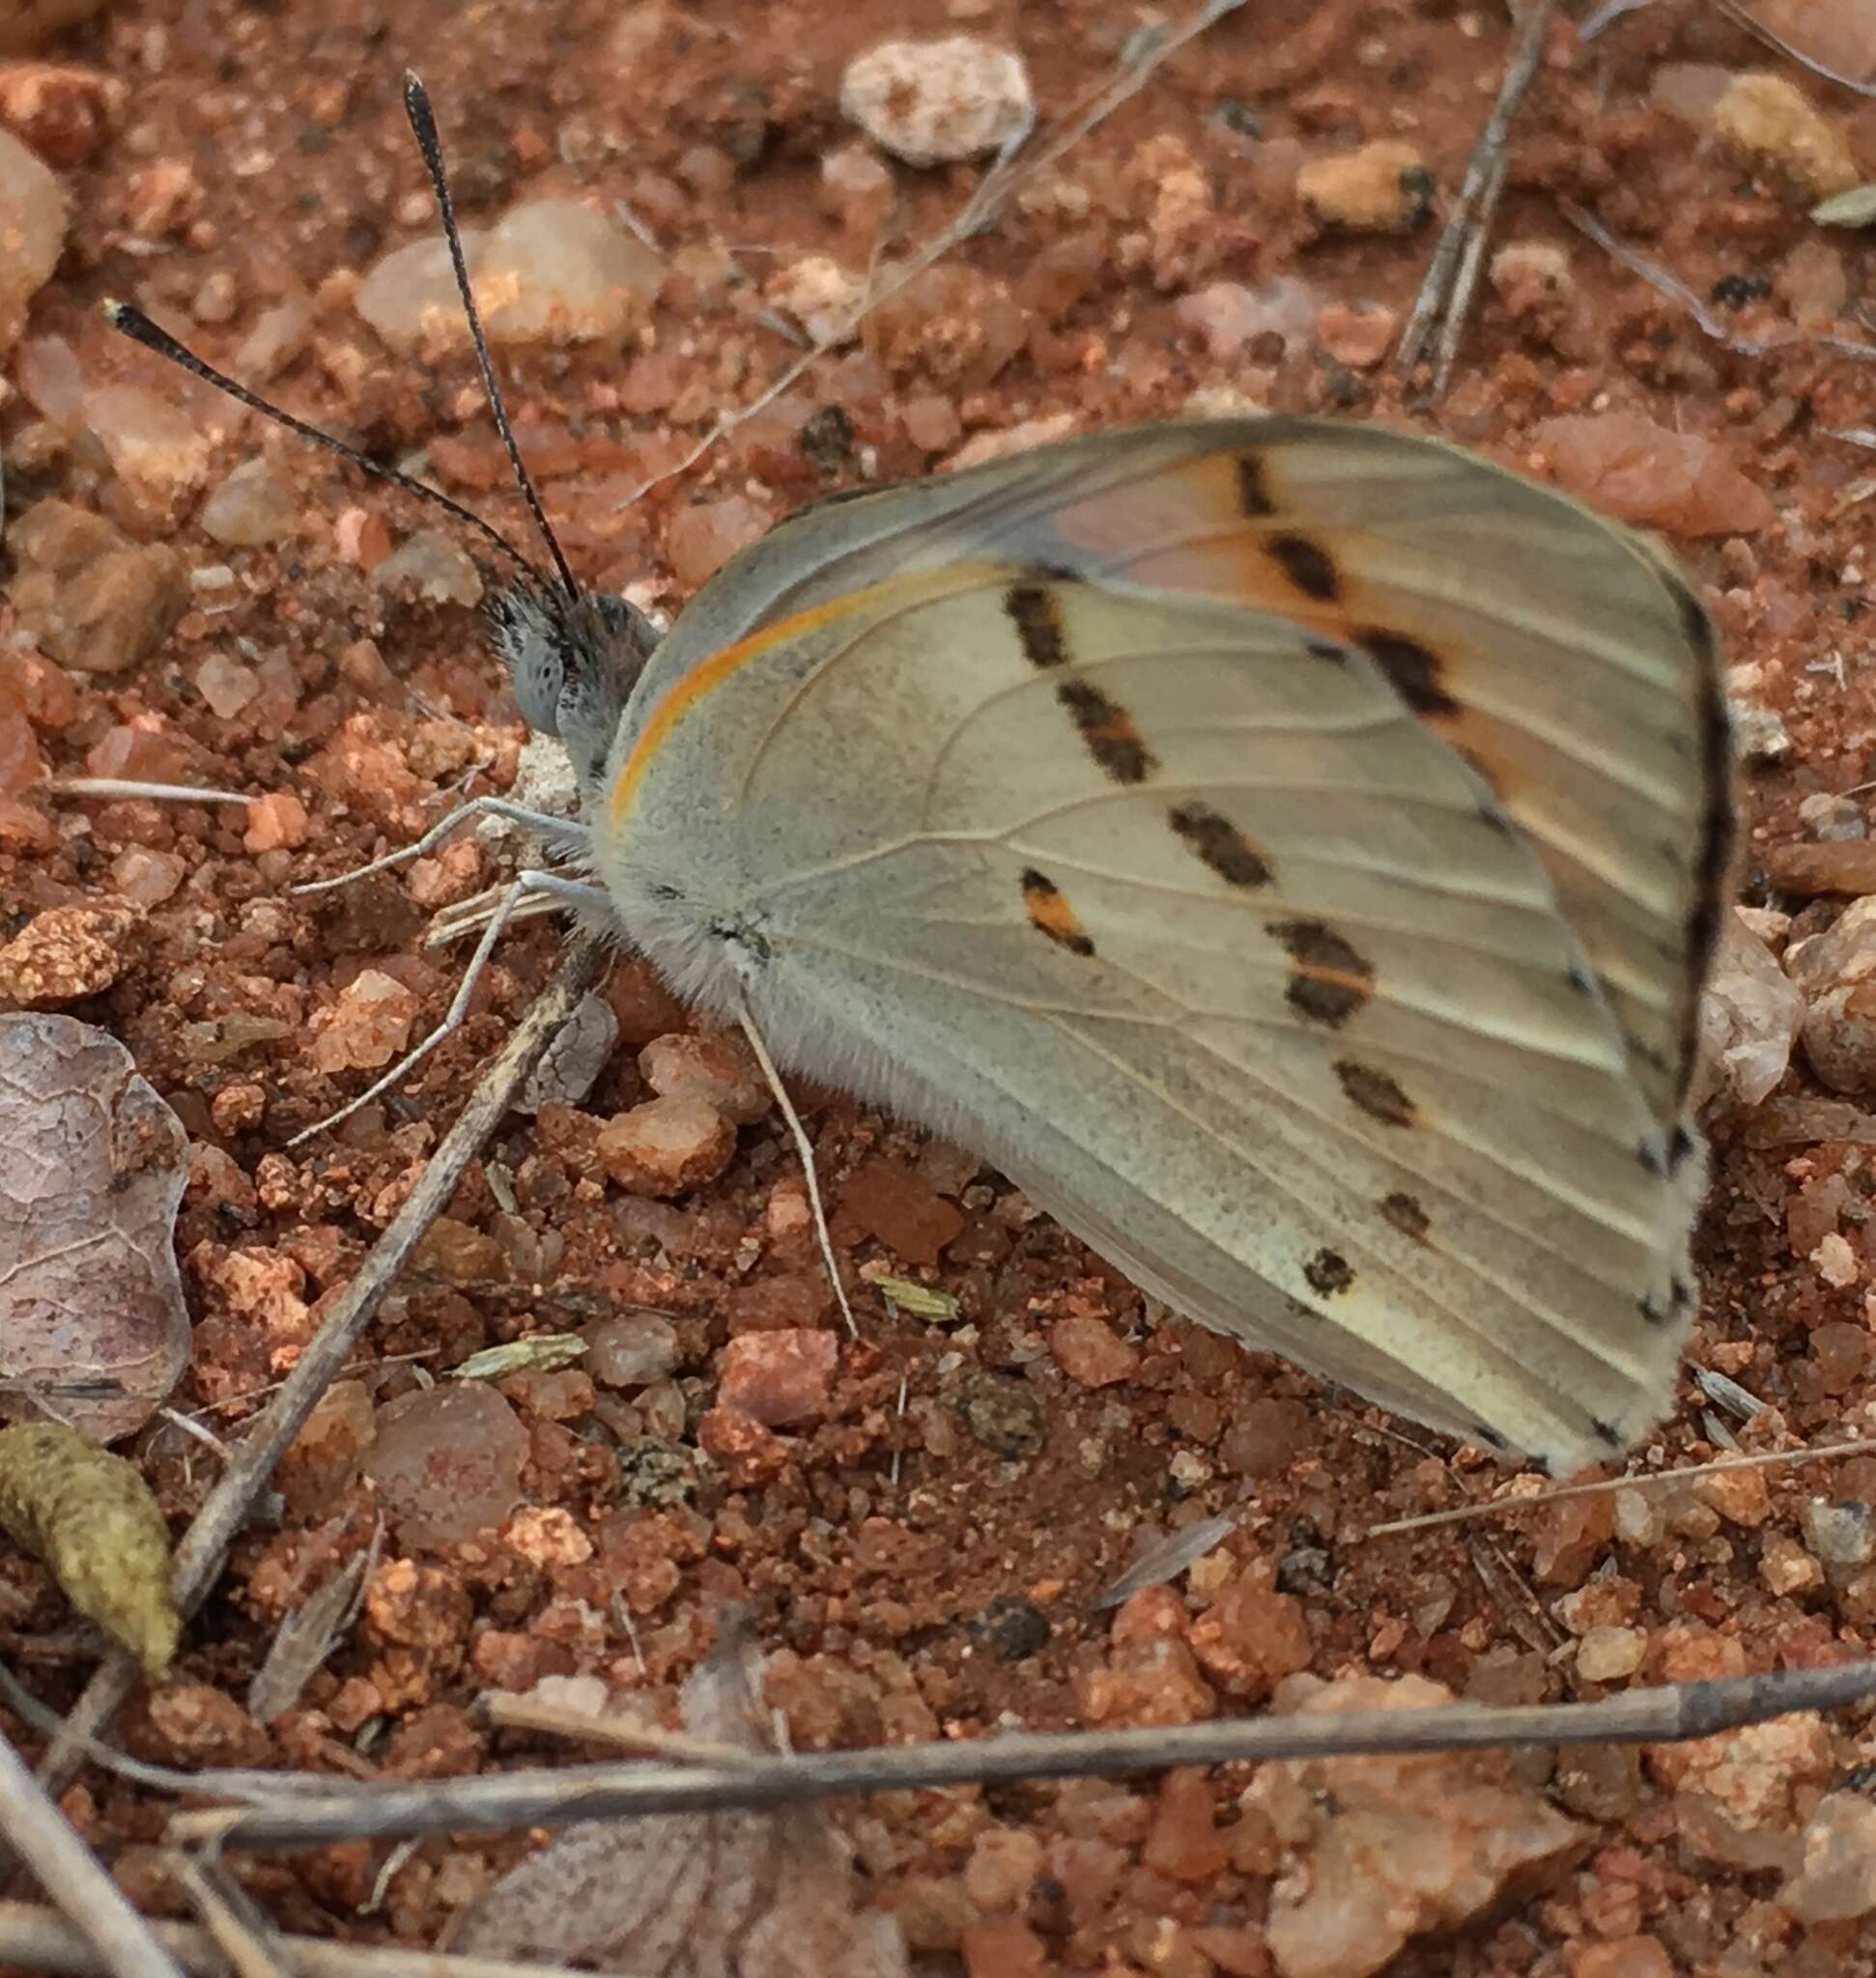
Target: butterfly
1290,851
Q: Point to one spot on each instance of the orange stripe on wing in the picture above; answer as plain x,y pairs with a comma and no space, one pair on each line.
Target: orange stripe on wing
703,679
710,673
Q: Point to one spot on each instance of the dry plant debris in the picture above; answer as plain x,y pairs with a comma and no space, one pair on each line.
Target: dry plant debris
762,1894
93,1166
95,1522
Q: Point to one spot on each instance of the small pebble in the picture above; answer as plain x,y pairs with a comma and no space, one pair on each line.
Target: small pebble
1751,1015
446,1462
276,821
226,685
934,103
1835,1882
704,535
1383,189
1629,465
717,1067
855,188
777,1378
89,599
432,565
1611,1654
573,1061
1091,1353
367,1027
551,272
147,878
1835,974
1228,315
64,954
32,225
150,441
1842,1535
1358,336
253,505
631,1349
666,1146
1769,118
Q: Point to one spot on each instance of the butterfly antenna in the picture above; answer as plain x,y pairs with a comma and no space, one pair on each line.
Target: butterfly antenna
133,322
416,106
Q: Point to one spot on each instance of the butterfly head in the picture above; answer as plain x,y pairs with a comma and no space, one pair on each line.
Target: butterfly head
573,658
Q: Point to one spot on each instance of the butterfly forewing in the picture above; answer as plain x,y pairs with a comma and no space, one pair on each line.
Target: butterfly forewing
1199,823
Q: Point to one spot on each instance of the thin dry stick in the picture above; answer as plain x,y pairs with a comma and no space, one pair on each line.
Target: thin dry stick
1738,15
38,1939
519,1799
1000,185
510,1712
226,1509
1604,1486
245,1948
73,1877
1445,297
1671,285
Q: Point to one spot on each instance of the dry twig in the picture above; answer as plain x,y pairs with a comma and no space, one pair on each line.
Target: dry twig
1758,30
38,1939
1705,321
544,1799
200,1554
1649,1480
73,1877
1438,319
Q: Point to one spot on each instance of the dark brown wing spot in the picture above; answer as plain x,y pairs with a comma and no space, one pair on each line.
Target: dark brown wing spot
1376,1093
1036,611
1329,1273
1326,649
1487,1438
1052,914
1108,730
1582,981
1218,843
1414,671
1606,1433
1649,1156
1332,981
1253,493
1652,1310
1307,565
1680,1144
1405,1212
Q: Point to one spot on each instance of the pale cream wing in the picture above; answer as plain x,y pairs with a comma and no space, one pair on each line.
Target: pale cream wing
1561,656
1175,910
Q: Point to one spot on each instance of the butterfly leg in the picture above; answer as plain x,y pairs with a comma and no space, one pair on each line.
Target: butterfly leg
569,891
558,829
805,1148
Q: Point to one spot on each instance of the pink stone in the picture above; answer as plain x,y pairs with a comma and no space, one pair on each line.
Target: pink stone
777,1378
447,1463
277,822
717,1067
704,535
1091,1353
1631,466
666,1146
367,1027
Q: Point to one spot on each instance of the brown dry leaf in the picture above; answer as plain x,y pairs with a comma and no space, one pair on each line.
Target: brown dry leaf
708,1895
92,1169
